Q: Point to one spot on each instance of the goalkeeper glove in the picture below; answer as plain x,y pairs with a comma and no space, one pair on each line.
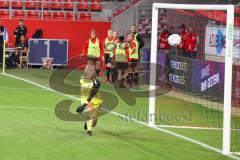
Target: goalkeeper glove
81,108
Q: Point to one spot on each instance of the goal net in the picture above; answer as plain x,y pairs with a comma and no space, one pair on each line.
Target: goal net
202,72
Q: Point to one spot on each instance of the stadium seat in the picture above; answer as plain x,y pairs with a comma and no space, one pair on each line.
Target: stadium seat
17,4
69,16
68,5
85,16
47,15
83,5
58,15
19,14
56,4
45,4
31,4
4,4
96,6
4,13
32,15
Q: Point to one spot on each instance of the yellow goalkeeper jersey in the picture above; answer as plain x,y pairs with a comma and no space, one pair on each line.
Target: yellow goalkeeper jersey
90,91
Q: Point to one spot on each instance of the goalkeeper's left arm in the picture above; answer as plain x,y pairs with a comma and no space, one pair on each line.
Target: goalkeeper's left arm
95,88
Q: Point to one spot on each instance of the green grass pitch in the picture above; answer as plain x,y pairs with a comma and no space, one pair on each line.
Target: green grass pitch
29,128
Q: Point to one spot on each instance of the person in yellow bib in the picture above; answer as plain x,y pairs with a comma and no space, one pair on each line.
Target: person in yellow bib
90,98
94,50
108,45
121,57
134,60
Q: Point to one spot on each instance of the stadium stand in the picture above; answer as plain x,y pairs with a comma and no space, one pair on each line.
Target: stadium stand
4,4
82,5
68,5
17,4
56,5
31,5
18,14
33,15
4,14
46,9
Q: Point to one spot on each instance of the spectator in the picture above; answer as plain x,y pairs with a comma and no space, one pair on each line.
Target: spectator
182,45
21,30
191,43
138,38
163,40
1,41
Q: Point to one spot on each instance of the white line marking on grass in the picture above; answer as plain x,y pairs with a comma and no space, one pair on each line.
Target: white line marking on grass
21,107
132,119
195,128
188,127
17,88
31,108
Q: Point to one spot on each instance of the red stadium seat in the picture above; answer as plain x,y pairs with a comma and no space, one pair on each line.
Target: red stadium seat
56,4
83,5
47,15
4,13
19,14
45,4
17,4
96,7
4,4
68,5
69,16
85,16
32,15
58,15
31,4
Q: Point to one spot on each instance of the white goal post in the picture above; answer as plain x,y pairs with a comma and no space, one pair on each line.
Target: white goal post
228,62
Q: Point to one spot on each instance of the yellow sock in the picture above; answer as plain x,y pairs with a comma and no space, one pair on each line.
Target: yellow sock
89,125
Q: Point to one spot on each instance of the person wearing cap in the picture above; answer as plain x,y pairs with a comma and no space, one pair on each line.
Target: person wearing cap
94,50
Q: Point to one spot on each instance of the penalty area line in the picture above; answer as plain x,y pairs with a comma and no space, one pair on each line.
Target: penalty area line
127,118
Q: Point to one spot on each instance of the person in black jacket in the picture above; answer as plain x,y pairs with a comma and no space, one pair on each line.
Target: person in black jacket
21,30
138,38
1,41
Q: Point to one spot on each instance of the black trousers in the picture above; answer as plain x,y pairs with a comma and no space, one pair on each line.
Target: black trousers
1,52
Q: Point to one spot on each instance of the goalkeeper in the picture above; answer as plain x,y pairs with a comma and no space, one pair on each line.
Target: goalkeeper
90,98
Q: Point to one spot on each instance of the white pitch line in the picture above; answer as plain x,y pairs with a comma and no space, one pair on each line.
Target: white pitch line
21,107
134,120
194,128
17,88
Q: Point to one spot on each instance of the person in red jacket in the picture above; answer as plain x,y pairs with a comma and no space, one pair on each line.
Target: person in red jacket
94,50
191,43
108,45
163,40
182,46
